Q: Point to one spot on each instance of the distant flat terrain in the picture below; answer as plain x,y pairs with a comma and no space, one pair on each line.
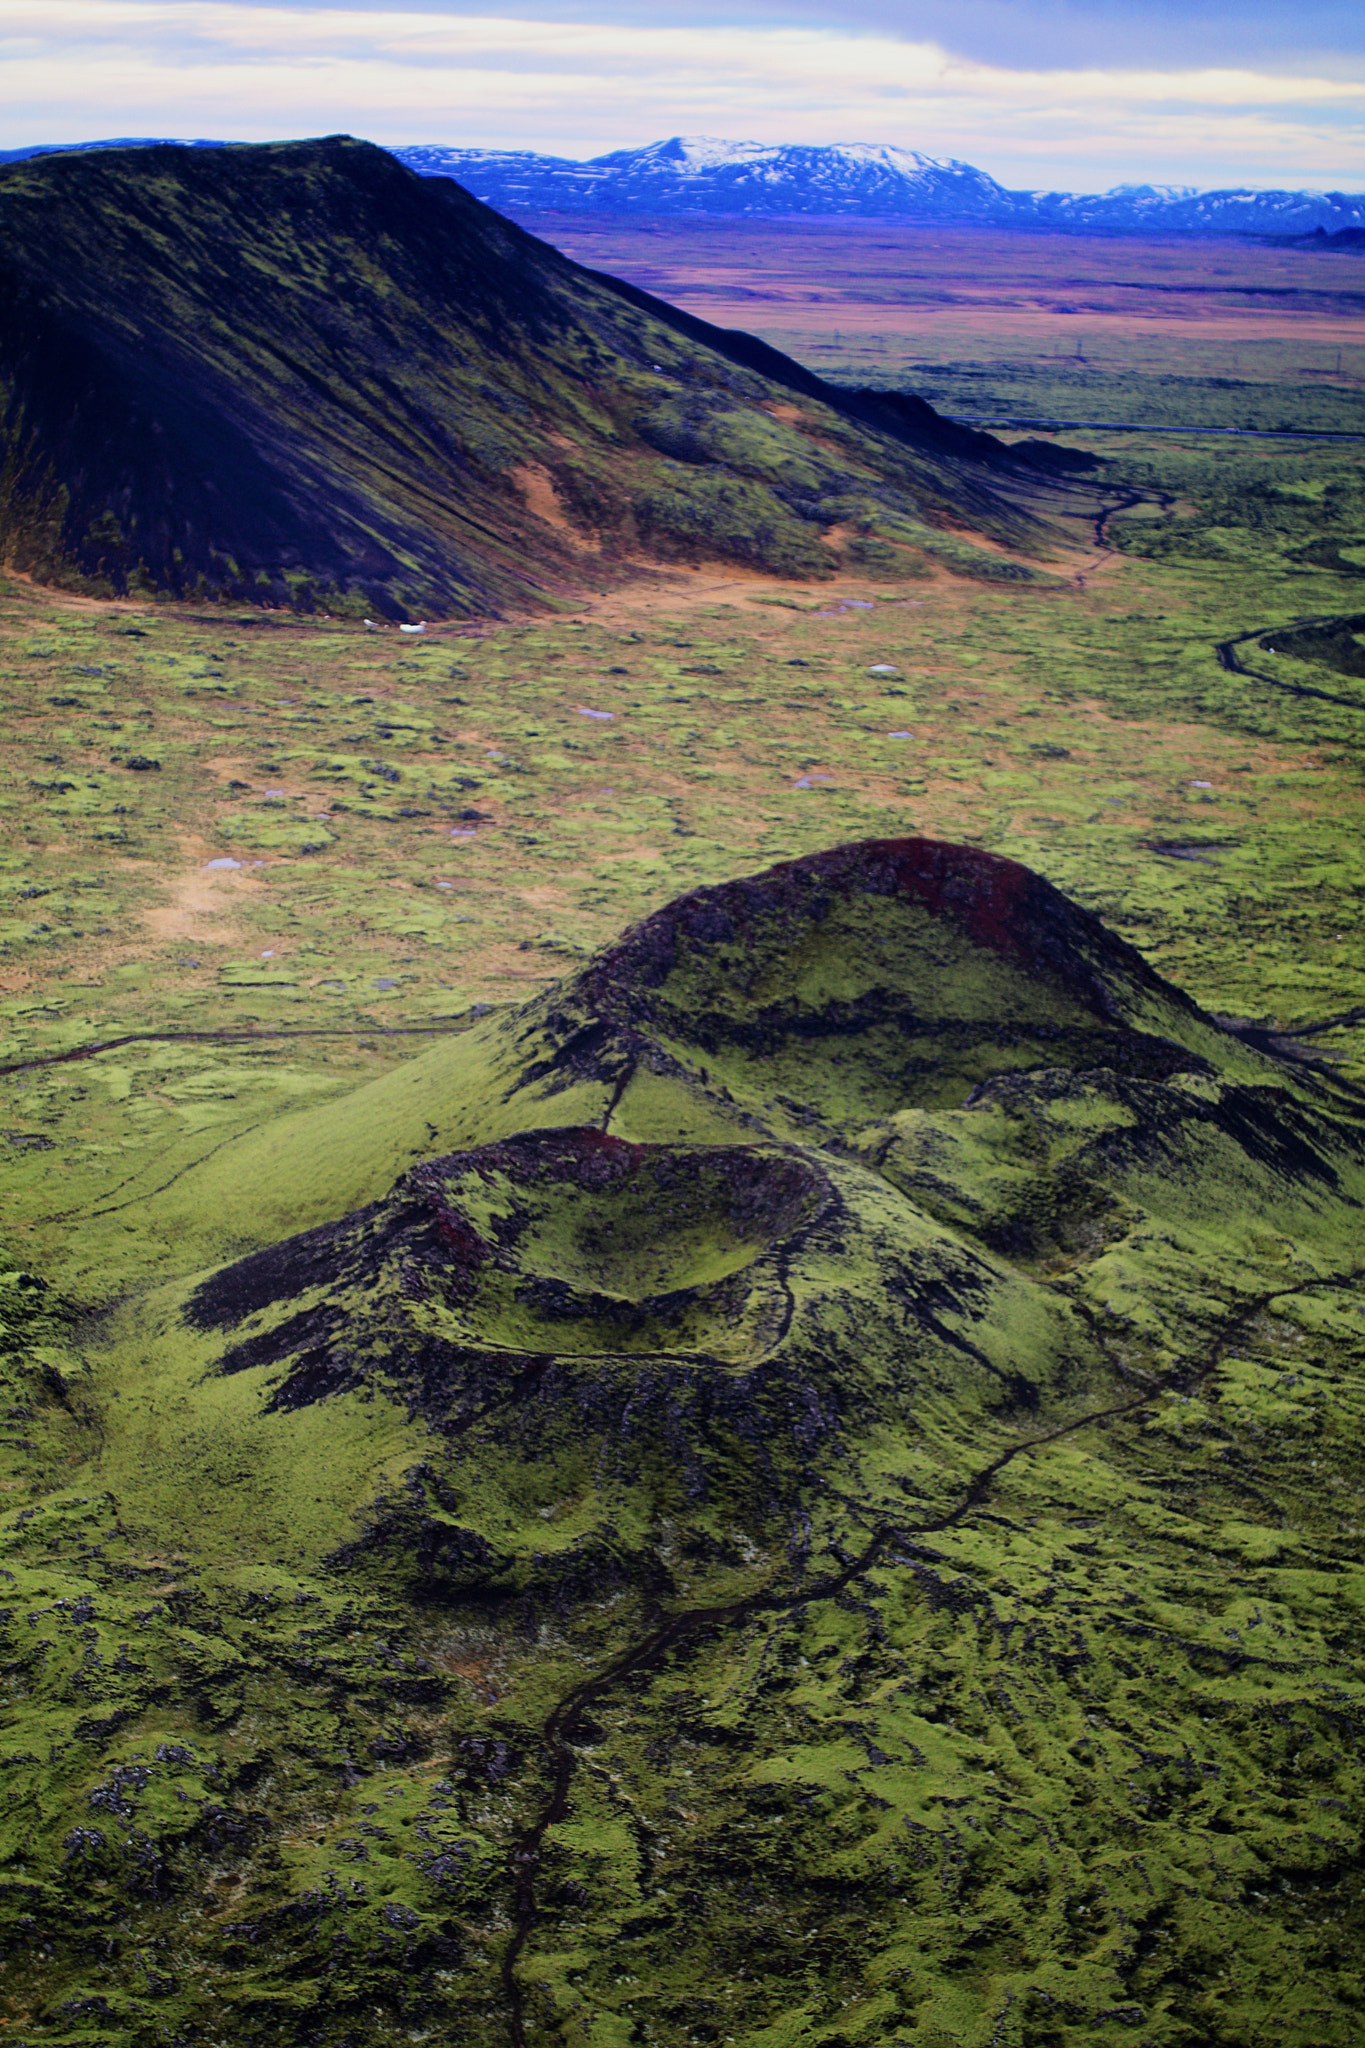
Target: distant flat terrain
848,296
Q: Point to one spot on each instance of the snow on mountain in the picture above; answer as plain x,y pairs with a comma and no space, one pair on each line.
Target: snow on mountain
1184,209
699,174
702,174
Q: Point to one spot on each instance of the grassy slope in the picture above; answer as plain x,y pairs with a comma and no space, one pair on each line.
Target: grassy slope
1081,1763
299,374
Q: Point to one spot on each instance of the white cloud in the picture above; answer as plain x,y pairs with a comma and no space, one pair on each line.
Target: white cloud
76,69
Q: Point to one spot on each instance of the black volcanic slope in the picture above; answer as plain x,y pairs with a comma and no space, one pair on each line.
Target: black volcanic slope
300,373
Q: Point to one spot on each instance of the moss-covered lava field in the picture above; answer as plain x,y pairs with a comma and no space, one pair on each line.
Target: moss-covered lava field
600,1452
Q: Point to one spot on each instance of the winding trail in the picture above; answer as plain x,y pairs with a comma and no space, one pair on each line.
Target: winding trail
227,1036
1231,660
1343,1020
1101,517
1165,499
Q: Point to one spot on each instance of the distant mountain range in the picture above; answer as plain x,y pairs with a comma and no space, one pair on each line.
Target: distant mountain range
695,174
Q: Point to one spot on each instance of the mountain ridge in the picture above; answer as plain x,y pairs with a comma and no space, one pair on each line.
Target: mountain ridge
688,174
702,174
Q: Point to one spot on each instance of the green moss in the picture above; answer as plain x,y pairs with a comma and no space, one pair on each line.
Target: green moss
1075,1751
275,834
699,516
980,1463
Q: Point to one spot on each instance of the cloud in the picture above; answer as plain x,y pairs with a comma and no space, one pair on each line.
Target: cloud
581,84
1018,34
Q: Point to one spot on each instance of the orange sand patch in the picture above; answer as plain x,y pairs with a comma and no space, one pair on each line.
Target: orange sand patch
542,501
200,902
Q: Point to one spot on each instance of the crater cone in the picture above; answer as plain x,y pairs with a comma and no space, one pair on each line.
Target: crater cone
805,1006
581,1211
556,1242
877,976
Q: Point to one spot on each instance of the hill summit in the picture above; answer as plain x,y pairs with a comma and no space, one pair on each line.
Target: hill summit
301,374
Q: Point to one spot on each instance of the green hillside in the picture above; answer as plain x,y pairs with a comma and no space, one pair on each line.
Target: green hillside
300,375
800,1487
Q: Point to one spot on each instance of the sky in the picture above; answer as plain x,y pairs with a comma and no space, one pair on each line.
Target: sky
1072,95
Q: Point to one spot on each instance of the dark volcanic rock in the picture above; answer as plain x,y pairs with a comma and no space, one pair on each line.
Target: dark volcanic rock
303,375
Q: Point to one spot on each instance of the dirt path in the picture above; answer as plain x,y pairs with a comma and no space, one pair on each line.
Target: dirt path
227,1036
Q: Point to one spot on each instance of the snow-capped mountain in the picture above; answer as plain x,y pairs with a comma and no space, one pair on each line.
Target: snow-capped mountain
866,178
698,174
1164,209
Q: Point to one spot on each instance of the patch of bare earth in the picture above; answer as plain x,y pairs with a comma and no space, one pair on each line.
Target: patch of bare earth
201,903
542,501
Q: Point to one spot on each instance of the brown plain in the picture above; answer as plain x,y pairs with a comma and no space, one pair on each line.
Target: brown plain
843,295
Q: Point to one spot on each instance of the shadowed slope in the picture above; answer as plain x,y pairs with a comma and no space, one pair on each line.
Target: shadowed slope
301,374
